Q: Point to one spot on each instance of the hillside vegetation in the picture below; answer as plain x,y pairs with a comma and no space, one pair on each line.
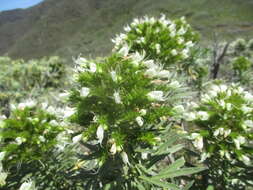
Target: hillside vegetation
68,28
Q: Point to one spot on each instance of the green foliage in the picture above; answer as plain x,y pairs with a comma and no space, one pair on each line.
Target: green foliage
241,64
126,112
242,69
223,135
28,134
123,105
21,80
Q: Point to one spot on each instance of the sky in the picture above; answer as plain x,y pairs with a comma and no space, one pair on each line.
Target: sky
14,4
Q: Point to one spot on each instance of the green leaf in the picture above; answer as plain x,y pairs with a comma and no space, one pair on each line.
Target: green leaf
159,183
210,187
172,167
167,144
175,148
180,172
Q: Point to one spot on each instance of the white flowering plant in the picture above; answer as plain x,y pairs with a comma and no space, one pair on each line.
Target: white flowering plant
28,134
166,41
223,135
124,105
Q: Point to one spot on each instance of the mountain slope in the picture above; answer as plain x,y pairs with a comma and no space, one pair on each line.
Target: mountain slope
68,28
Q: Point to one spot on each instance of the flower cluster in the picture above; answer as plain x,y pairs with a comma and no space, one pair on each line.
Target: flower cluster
124,98
166,41
124,107
223,119
28,133
28,185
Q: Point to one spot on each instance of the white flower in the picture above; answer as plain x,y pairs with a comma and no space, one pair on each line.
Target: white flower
143,112
174,84
234,181
27,104
248,97
248,123
150,64
125,158
158,48
20,140
180,40
113,149
179,109
221,131
67,112
172,27
245,159
2,117
83,65
216,132
42,139
156,95
28,185
144,155
137,58
172,33
114,76
229,106
2,155
100,133
164,74
140,121
152,20
63,96
185,53
239,141
117,98
204,156
3,176
165,21
84,92
205,98
215,88
77,138
174,52
202,115
227,155
151,72
124,50
194,136
118,39
190,116
198,142
135,22
53,123
189,44
227,132
222,103
181,31
246,109
193,105
127,28
222,153
223,88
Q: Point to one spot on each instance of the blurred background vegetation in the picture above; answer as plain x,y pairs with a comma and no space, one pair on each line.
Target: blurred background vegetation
68,28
